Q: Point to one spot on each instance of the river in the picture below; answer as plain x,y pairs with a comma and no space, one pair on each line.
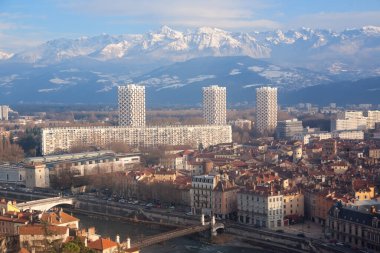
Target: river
189,244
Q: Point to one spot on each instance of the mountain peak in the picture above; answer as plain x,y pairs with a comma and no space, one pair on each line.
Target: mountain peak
5,55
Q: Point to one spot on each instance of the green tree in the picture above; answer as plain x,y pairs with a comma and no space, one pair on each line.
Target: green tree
71,247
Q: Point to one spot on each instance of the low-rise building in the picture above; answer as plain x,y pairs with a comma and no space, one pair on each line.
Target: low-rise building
201,193
260,208
357,225
224,198
293,206
40,237
103,245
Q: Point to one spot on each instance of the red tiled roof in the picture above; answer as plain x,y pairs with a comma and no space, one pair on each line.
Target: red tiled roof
42,230
102,244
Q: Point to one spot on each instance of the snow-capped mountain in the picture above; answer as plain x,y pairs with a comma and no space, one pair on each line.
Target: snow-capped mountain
5,55
356,49
170,62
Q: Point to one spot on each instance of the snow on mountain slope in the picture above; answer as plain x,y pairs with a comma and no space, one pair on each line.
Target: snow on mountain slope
5,55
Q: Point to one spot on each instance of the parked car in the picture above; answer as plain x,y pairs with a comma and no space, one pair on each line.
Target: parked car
301,235
189,213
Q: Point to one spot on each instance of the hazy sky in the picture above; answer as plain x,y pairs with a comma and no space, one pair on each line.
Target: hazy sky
25,23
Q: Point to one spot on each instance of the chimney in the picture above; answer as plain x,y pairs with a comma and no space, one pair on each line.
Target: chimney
118,239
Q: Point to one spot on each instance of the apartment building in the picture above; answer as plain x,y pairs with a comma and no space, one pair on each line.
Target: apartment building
201,193
62,139
266,109
214,105
260,208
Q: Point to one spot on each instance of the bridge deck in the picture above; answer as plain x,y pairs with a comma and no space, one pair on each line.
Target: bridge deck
40,202
168,236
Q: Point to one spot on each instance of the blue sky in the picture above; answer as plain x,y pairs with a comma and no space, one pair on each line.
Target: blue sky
25,23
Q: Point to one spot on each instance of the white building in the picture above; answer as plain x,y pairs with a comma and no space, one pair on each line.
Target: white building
55,140
349,120
131,101
348,135
349,124
260,208
4,111
305,137
201,193
372,118
266,109
349,115
214,105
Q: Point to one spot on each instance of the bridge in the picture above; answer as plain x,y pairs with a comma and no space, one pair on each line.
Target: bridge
214,227
44,204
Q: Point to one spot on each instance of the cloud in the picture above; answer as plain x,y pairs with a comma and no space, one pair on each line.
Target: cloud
337,20
59,81
237,14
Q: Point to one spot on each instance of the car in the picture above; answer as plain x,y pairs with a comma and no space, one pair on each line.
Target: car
171,207
339,244
301,235
149,205
121,200
268,239
135,202
189,213
280,231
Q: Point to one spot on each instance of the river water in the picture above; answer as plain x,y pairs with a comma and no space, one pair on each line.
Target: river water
189,244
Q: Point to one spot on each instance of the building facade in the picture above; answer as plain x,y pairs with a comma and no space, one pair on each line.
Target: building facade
266,109
214,105
201,193
260,208
373,117
131,101
356,226
294,205
55,140
288,128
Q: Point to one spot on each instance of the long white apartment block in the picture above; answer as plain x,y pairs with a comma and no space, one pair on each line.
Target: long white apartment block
131,102
214,105
266,109
56,140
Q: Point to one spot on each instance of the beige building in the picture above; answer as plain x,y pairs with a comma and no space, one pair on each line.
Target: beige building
37,175
40,237
224,199
293,205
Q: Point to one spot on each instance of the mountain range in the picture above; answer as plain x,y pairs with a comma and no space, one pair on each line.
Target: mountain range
174,63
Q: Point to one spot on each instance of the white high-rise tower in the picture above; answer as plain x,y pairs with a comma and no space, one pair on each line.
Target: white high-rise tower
214,105
266,109
131,100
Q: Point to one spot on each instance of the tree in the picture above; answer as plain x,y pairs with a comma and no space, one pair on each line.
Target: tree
71,247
